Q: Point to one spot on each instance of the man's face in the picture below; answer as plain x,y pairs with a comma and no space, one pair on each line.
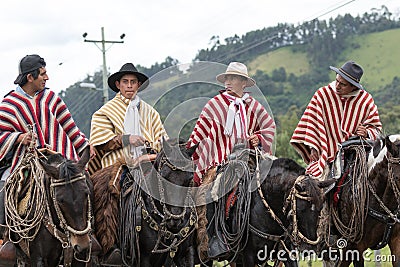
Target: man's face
128,85
235,84
343,87
40,83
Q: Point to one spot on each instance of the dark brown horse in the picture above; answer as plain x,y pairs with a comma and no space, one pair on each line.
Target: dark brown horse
62,231
366,206
149,214
282,213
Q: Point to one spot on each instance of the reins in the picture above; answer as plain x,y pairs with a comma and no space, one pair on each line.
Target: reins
296,234
395,217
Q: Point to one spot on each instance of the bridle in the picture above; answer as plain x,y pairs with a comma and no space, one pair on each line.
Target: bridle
394,217
294,194
64,236
296,235
164,234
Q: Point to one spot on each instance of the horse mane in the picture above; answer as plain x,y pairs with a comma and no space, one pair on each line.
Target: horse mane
313,191
105,208
67,168
283,174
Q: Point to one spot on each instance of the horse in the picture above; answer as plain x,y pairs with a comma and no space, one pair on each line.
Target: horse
282,214
157,217
365,207
51,221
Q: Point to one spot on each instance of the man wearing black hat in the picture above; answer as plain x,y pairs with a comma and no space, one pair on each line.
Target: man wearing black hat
125,121
119,130
335,113
33,113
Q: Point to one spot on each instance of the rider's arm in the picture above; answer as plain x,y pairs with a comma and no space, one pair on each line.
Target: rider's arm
113,144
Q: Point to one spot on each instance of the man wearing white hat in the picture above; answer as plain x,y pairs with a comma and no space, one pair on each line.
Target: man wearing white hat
232,117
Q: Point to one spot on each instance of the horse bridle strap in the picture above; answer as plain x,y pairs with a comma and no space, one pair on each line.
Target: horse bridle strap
296,234
164,161
58,182
182,234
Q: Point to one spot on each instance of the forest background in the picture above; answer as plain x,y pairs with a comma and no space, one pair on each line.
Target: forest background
289,62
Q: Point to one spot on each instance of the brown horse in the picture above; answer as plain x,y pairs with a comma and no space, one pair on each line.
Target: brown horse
60,204
365,207
142,211
275,208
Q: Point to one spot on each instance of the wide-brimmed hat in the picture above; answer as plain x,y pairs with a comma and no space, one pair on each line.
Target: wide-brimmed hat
128,68
351,72
236,68
27,64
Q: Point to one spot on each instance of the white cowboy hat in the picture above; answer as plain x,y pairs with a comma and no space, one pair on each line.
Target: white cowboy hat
236,68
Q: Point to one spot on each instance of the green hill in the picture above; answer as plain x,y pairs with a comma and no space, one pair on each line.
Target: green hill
378,53
293,62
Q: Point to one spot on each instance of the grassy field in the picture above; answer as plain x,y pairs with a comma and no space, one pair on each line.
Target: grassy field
369,262
378,53
384,254
296,63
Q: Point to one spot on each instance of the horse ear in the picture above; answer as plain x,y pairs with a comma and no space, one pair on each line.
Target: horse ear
84,157
326,183
51,170
192,149
390,141
166,146
299,188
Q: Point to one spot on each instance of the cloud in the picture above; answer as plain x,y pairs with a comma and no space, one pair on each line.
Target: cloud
154,30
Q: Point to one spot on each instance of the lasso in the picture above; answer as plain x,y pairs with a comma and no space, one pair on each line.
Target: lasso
23,217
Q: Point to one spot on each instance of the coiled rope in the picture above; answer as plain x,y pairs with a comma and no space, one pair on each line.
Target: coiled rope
24,217
235,239
357,199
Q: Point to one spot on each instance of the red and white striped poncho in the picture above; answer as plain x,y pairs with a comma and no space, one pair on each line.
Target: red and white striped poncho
329,120
214,145
51,120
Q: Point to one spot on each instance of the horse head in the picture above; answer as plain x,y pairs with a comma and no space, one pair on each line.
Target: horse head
384,167
175,169
307,197
68,190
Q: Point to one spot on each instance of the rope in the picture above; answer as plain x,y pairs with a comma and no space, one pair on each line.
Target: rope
29,173
353,228
128,205
234,239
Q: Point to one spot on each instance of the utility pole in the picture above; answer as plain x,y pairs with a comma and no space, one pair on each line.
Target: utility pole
103,50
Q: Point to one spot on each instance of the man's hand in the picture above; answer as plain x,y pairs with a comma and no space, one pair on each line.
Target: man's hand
314,155
25,138
136,140
362,131
92,151
253,140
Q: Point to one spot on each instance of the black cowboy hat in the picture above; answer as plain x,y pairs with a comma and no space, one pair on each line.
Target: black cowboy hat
351,72
128,68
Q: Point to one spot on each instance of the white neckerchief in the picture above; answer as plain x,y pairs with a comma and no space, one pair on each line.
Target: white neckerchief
239,117
132,124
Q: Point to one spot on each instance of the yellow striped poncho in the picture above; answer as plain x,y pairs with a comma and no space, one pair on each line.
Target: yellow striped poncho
108,122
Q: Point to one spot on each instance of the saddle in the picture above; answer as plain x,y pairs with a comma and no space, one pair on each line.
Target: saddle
344,162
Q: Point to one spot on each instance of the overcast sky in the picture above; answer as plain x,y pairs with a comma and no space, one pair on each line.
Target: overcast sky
154,29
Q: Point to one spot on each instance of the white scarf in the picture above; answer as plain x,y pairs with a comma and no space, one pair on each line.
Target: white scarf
239,117
132,125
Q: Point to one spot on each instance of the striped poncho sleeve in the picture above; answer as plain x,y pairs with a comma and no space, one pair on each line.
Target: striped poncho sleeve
51,121
329,120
